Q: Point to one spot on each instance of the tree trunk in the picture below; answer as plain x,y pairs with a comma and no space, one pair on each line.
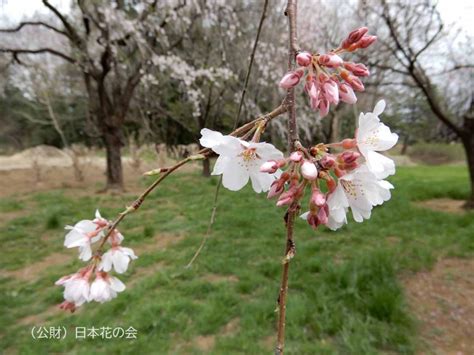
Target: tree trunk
113,146
468,143
406,139
206,168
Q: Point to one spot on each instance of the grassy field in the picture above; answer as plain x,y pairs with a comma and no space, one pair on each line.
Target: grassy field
345,293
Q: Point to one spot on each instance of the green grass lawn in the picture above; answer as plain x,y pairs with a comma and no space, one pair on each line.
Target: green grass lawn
345,295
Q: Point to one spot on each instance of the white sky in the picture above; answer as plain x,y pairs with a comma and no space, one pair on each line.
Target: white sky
15,10
460,12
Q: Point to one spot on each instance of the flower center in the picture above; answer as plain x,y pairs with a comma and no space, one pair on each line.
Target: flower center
350,188
248,154
372,139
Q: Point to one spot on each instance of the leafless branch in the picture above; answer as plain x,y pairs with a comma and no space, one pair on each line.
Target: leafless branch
33,23
16,51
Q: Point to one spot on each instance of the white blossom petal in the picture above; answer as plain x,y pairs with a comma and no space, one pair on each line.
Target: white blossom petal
120,261
210,138
116,284
379,107
235,177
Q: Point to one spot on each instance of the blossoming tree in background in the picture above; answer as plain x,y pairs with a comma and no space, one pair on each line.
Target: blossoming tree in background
320,183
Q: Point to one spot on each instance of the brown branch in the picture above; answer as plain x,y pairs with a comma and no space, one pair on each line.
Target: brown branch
204,152
455,68
33,23
16,51
252,56
292,210
72,33
417,74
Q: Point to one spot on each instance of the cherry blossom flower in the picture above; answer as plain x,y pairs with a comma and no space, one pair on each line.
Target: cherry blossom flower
105,287
76,287
240,160
83,234
373,136
360,190
337,217
118,257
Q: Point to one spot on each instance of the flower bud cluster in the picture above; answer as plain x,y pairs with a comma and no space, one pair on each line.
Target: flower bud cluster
310,168
329,79
351,177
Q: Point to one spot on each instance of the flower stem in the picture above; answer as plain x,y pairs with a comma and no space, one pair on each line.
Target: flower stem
290,12
206,152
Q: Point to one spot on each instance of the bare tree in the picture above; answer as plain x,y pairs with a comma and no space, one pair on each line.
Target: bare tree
109,42
414,29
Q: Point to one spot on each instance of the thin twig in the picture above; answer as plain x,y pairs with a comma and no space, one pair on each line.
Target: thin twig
209,225
293,209
236,123
203,152
252,57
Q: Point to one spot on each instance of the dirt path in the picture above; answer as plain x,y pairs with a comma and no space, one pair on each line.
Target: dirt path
443,302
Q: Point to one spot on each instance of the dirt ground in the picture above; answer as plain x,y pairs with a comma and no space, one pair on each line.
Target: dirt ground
443,205
442,300
45,168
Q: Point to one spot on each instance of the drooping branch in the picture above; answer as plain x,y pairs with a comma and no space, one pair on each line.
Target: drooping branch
202,154
72,33
290,12
236,123
252,56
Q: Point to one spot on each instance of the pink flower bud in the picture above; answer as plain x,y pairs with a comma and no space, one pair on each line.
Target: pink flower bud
323,108
330,60
323,214
331,92
358,69
318,198
278,186
348,157
312,220
304,59
296,156
314,103
352,80
315,219
327,162
346,94
350,166
366,41
354,36
312,90
291,79
270,167
332,184
309,170
349,143
275,189
346,43
286,198
68,306
356,84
